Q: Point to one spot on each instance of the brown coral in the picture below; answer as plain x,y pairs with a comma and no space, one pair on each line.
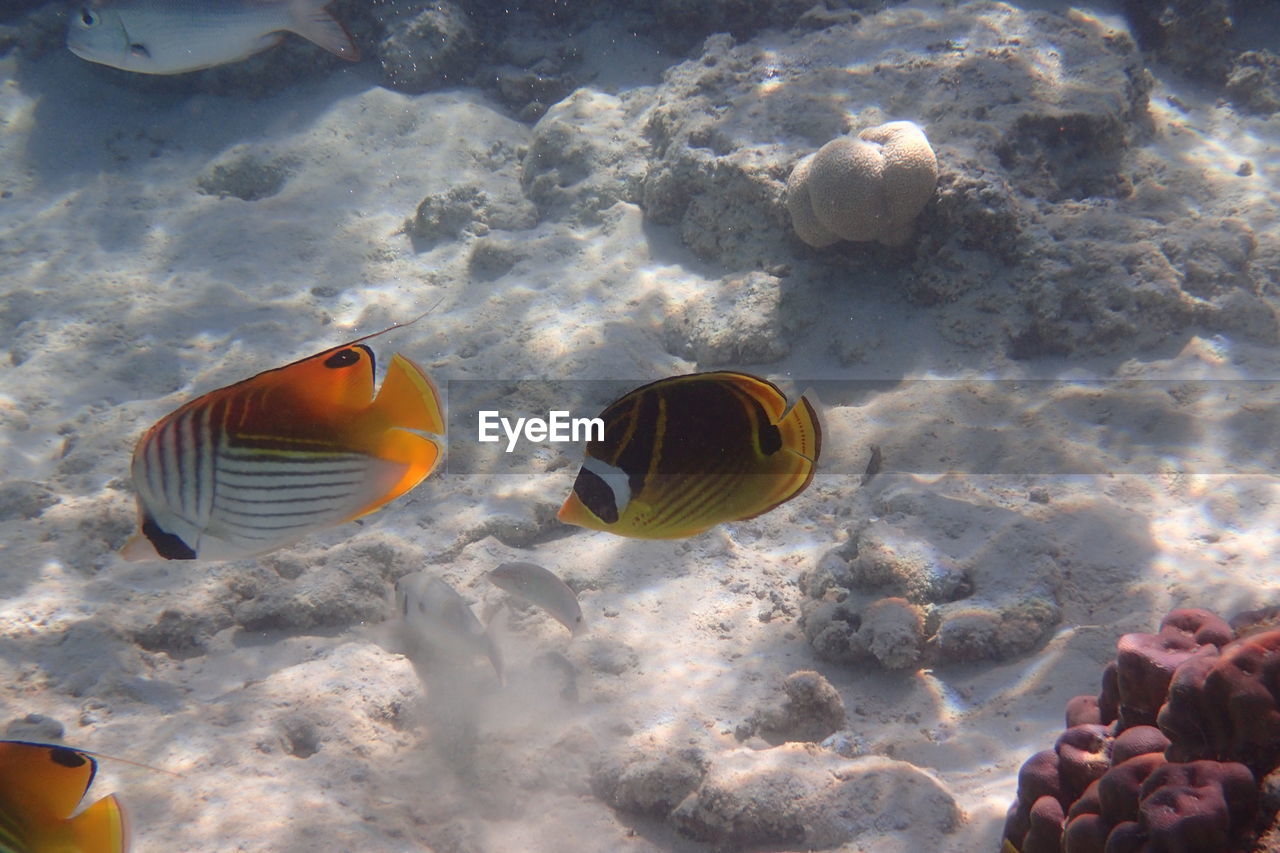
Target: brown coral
868,188
1114,784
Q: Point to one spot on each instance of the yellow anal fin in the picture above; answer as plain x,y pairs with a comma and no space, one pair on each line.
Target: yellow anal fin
101,828
408,398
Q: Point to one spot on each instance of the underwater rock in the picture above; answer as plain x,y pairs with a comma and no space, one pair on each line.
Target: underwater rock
1059,157
183,633
893,631
324,597
740,322
466,209
24,499
613,658
1146,280
870,187
1254,81
34,727
812,711
903,592
444,216
585,156
246,174
1191,35
426,46
974,631
1192,784
881,556
647,783
715,171
798,796
685,21
832,629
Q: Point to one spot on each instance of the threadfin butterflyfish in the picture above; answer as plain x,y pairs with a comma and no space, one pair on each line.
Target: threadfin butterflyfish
684,454
41,786
539,586
257,465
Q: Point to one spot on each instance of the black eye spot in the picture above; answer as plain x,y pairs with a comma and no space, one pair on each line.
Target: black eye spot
342,358
88,18
66,757
770,439
139,50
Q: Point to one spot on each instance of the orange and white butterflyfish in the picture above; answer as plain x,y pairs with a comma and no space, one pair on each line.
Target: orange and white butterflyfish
257,465
684,454
41,786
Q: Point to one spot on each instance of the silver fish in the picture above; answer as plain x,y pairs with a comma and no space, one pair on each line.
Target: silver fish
173,36
438,627
536,585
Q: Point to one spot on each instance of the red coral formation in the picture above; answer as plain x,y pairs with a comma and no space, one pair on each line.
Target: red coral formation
1114,783
1224,706
1145,662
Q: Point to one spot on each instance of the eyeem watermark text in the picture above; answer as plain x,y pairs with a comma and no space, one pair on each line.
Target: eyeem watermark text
557,427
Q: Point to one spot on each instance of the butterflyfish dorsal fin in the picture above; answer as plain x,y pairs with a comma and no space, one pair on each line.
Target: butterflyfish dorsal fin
41,785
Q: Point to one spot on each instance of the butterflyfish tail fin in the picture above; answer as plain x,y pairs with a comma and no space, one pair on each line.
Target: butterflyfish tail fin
801,433
312,20
101,828
801,430
409,399
407,406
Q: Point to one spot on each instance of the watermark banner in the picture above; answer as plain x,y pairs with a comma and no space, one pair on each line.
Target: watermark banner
926,427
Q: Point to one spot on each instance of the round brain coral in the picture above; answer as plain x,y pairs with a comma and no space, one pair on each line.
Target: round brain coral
868,188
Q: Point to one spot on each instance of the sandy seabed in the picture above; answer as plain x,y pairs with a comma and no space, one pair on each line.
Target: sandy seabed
158,245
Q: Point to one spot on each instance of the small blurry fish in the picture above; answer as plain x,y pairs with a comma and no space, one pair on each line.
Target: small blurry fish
173,36
538,586
257,465
41,785
684,454
438,627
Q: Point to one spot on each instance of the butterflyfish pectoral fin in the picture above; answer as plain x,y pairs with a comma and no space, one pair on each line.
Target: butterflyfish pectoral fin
138,548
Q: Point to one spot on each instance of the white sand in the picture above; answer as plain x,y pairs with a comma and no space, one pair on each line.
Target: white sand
127,291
